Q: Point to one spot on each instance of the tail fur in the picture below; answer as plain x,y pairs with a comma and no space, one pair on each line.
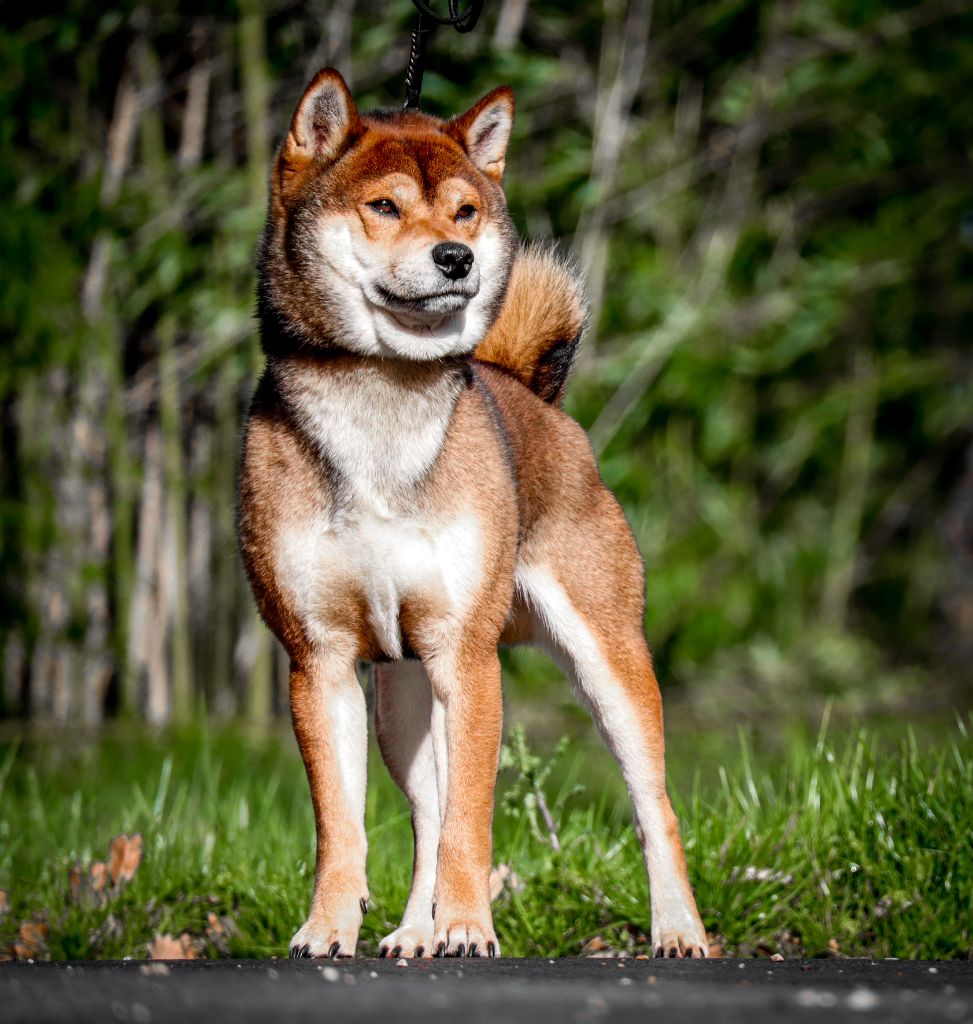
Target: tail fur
536,335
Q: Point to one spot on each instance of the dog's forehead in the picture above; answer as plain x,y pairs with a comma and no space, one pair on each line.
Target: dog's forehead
429,158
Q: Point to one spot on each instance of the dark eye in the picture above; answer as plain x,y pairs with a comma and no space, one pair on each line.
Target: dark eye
385,207
466,212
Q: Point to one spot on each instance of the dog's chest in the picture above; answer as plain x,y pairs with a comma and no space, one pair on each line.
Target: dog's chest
381,443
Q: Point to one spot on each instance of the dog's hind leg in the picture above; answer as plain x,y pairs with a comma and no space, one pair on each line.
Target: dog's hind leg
330,721
586,600
404,724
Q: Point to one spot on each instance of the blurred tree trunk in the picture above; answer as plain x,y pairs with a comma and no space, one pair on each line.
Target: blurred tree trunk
849,502
176,548
258,649
71,676
624,48
150,597
14,600
510,23
256,98
174,619
122,471
192,137
227,584
51,662
200,555
334,45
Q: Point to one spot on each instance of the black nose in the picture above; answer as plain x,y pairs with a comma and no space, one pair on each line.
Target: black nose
453,258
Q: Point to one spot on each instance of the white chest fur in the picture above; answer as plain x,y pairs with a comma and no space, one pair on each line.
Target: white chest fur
383,436
381,429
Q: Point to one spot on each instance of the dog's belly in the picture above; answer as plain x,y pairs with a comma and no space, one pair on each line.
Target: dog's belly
375,563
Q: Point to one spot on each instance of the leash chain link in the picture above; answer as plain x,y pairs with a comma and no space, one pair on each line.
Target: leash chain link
462,21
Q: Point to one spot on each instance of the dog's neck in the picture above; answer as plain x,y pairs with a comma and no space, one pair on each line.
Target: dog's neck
379,424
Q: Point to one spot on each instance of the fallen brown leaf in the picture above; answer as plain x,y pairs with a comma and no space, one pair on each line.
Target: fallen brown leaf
75,883
124,856
503,877
789,944
715,943
218,931
31,940
168,947
99,878
597,948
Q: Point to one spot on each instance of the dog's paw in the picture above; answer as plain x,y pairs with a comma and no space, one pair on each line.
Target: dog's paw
684,943
459,934
408,941
326,936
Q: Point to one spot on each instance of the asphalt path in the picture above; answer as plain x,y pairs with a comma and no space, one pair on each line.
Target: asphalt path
504,991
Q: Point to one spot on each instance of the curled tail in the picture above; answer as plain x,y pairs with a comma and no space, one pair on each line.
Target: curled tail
540,325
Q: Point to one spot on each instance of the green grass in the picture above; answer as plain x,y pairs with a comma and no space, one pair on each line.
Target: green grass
861,843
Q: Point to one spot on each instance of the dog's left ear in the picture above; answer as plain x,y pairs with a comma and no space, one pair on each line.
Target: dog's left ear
484,131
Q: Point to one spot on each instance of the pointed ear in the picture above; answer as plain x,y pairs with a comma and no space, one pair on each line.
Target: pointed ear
321,124
484,131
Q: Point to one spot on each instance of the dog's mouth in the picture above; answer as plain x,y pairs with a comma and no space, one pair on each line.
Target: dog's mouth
420,311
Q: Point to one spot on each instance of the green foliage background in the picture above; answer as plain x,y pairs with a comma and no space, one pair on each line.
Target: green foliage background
776,203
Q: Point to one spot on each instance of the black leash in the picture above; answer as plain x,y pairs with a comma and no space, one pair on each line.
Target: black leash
462,21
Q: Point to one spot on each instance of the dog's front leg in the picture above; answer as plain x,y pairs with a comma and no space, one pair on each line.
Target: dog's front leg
467,688
328,710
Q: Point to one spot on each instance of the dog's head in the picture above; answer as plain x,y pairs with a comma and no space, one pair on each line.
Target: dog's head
388,233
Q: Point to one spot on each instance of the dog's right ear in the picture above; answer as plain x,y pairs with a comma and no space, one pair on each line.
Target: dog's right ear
320,127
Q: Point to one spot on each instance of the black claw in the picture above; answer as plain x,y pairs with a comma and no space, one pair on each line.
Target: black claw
441,951
419,951
473,951
659,952
491,949
383,952
333,952
396,951
363,903
461,949
300,952
673,952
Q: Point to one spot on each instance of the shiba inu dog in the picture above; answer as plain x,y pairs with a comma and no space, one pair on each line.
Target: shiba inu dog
412,496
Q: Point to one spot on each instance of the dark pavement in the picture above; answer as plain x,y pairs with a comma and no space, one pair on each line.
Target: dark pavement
499,991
